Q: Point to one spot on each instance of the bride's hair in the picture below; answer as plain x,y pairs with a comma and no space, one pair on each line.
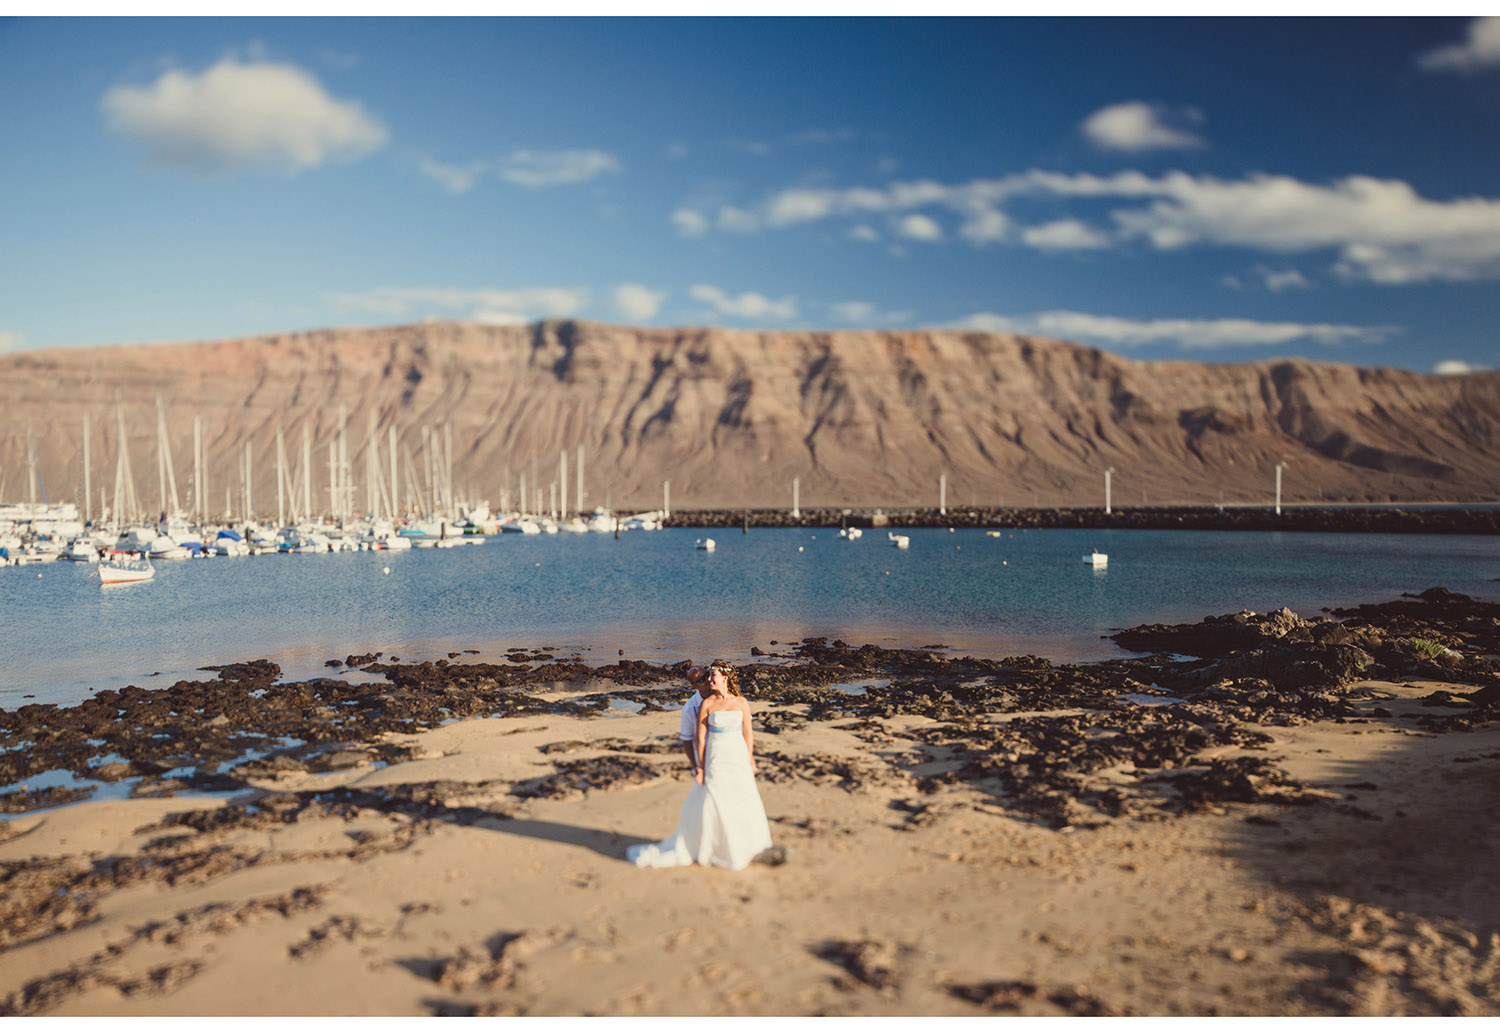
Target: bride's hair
731,679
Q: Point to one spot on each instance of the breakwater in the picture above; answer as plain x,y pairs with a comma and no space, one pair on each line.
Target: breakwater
1340,519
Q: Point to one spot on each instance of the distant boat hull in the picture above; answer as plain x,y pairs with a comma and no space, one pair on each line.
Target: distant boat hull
117,572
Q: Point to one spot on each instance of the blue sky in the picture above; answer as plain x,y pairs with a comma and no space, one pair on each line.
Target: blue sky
1212,190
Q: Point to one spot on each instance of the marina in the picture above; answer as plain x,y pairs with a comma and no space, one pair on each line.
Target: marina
657,596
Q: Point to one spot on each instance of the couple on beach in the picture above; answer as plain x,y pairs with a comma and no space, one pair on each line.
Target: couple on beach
723,821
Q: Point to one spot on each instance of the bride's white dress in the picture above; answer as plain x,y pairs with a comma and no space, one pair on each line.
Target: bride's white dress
723,821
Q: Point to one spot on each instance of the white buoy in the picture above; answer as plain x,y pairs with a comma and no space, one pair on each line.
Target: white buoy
387,570
799,549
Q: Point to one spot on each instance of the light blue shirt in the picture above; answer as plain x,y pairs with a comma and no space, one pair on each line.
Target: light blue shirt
689,730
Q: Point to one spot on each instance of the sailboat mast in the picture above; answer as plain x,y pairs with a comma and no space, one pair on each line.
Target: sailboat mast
164,461
127,506
306,474
451,509
372,465
161,461
198,492
333,480
86,484
31,478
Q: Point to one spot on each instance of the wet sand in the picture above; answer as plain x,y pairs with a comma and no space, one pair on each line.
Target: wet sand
1151,836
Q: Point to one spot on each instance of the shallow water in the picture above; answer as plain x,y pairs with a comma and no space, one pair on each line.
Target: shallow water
653,596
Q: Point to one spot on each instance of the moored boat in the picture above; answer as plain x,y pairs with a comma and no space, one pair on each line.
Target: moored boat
82,550
117,568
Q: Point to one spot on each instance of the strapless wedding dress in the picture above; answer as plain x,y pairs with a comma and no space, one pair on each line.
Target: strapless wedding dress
723,821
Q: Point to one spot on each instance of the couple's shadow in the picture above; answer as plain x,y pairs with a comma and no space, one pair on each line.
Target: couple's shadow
600,841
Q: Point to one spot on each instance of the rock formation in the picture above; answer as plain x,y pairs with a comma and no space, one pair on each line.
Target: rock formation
862,418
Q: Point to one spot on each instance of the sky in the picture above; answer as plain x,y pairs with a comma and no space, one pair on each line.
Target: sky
1214,190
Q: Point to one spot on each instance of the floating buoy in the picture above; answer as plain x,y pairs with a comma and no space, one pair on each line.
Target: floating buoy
799,549
386,570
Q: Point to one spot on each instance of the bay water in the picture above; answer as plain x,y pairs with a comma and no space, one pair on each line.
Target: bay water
656,596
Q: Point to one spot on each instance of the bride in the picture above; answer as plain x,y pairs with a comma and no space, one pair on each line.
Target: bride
723,821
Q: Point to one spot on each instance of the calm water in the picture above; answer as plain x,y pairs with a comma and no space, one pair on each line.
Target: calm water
654,596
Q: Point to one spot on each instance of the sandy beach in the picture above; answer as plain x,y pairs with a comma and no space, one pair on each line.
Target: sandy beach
1207,852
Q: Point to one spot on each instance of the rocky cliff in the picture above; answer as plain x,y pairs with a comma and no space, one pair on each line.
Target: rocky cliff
731,417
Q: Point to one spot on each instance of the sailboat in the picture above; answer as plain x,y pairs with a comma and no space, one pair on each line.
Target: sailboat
118,568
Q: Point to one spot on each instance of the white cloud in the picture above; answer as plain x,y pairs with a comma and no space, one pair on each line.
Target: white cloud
919,227
749,305
1286,279
1188,334
485,305
1383,230
1377,230
677,150
755,147
737,220
637,303
342,60
240,114
1065,235
985,226
498,317
823,136
689,223
456,179
864,234
529,168
862,313
1481,50
1138,126
1454,367
801,204
10,341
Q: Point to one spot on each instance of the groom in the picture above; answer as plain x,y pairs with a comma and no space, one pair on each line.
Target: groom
697,677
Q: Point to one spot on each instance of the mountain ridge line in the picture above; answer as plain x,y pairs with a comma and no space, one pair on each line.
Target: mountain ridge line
861,418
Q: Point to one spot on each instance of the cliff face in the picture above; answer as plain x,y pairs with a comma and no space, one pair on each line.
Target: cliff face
730,417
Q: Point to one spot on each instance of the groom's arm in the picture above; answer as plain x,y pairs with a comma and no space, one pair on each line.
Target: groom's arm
700,742
687,731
